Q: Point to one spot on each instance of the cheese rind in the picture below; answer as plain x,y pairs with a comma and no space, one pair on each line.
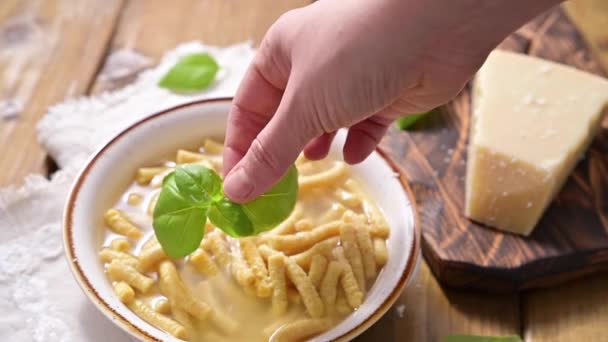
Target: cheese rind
532,121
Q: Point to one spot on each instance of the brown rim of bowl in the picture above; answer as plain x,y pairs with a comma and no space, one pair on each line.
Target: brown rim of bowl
138,332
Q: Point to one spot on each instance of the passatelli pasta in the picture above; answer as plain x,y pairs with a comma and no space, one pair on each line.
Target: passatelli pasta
288,284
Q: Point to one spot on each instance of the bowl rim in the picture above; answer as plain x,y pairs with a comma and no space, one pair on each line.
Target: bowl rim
136,331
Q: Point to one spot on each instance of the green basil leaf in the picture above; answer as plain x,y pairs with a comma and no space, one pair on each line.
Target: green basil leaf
192,73
406,122
230,217
178,221
273,207
471,338
193,193
198,183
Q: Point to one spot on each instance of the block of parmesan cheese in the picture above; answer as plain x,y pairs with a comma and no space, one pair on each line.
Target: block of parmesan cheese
532,122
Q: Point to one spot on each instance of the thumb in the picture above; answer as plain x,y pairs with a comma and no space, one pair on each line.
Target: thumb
272,152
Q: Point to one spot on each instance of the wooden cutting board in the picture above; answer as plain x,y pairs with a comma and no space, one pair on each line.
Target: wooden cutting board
572,238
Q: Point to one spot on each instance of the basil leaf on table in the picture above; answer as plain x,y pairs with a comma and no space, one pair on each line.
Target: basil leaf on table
406,122
179,220
471,338
193,193
192,73
271,208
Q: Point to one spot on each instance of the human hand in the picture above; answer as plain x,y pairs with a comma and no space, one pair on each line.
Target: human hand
355,64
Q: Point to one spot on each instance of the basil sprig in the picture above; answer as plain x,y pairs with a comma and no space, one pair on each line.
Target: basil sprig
193,193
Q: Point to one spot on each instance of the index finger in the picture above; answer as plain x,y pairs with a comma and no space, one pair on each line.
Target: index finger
253,107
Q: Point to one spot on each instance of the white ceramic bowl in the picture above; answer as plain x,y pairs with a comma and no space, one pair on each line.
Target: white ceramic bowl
112,168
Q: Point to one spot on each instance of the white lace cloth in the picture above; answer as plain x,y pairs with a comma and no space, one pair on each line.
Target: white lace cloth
39,299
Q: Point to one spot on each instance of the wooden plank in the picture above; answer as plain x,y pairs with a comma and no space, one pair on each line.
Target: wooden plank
428,312
151,27
576,311
49,50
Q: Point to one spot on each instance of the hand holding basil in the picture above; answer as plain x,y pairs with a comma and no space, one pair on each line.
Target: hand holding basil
193,193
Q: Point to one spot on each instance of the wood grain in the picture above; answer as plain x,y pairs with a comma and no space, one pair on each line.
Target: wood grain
151,27
576,311
49,50
428,312
571,240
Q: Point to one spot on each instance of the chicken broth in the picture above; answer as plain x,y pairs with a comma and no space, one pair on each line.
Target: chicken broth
288,284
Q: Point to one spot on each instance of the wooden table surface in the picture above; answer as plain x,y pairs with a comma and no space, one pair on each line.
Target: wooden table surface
54,49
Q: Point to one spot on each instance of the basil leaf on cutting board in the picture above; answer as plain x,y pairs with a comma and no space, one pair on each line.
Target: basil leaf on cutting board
406,122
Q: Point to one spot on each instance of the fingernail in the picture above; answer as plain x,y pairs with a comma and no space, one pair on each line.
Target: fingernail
238,185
